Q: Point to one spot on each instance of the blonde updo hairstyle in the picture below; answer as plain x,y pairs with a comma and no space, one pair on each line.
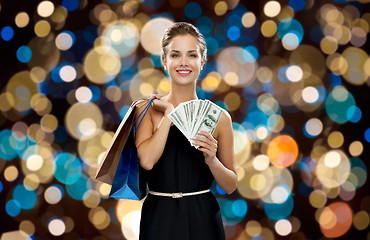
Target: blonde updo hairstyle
183,28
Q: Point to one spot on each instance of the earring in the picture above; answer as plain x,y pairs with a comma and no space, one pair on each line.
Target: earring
165,68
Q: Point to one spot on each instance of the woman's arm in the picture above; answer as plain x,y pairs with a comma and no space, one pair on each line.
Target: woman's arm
221,165
150,144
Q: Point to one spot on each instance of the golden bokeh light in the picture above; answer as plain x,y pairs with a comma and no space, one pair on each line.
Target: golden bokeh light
101,64
34,162
329,45
318,198
152,33
242,146
113,93
60,14
31,182
99,217
22,19
232,101
268,28
11,173
335,139
49,123
220,8
361,220
42,28
253,228
83,120
333,169
27,227
91,199
356,148
145,82
248,19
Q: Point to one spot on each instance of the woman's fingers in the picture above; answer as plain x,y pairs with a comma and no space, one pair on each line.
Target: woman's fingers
205,144
157,96
161,105
206,141
207,136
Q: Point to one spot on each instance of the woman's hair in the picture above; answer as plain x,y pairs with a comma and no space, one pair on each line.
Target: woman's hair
183,28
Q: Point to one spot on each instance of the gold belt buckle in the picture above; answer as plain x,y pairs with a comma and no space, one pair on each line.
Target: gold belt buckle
177,195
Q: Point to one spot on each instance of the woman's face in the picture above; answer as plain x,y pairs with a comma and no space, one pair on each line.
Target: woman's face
183,60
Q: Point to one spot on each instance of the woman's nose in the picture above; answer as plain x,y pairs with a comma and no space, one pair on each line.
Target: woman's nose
183,61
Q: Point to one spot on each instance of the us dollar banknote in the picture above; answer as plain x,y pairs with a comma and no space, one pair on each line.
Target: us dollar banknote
194,116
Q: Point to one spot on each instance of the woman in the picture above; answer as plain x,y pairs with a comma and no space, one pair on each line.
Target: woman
174,166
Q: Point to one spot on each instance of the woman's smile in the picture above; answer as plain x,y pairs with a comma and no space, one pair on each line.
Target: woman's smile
184,72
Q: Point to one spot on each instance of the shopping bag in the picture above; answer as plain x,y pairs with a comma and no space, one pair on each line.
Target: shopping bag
108,165
129,182
122,149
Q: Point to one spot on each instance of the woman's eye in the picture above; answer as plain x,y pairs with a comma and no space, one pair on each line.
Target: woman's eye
193,55
174,55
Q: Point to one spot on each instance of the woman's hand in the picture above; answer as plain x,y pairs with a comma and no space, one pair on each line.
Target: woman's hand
160,105
207,144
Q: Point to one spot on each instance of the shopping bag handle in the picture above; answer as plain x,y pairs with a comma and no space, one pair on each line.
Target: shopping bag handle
145,110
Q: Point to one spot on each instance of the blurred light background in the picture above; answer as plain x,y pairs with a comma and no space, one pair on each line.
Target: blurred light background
293,74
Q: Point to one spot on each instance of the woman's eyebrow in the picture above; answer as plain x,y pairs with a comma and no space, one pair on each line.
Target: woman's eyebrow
177,51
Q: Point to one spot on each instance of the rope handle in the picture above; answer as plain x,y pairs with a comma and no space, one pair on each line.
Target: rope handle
145,110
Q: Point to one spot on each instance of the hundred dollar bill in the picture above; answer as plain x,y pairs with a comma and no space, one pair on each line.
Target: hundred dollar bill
200,117
194,116
178,123
210,119
191,106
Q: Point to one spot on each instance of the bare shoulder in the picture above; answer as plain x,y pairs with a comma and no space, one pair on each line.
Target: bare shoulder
224,124
225,117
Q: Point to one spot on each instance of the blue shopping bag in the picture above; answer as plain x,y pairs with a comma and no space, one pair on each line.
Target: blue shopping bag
129,180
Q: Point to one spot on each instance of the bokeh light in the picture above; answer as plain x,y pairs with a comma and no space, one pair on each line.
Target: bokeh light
122,36
283,227
335,219
22,19
7,33
45,8
152,33
282,151
293,75
272,8
102,64
56,227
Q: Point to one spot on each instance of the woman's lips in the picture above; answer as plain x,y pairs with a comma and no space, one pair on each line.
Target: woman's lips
183,73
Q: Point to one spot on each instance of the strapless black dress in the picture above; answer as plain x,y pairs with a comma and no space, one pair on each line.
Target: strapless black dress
181,168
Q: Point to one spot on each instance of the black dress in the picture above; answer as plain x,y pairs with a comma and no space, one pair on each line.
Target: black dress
181,168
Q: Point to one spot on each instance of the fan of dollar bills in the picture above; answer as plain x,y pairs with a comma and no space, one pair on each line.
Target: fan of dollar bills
196,115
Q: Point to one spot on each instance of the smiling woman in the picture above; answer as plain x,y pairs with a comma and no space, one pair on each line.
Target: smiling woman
183,62
179,176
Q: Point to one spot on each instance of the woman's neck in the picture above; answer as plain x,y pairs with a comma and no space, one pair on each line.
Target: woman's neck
181,93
